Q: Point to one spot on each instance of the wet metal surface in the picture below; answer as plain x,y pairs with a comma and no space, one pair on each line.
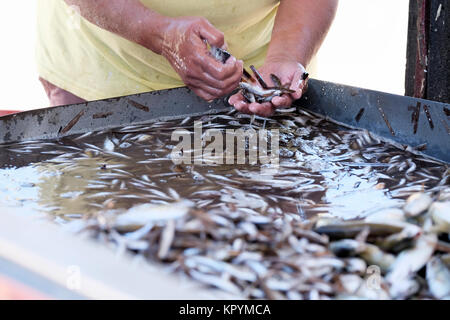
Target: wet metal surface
384,114
57,122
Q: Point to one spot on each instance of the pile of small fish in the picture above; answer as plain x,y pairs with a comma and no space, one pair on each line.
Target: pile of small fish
395,253
347,216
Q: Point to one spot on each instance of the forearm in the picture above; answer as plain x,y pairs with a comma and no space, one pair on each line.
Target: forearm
127,18
300,28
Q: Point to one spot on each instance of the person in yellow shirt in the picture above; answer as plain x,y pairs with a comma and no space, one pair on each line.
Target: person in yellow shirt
89,50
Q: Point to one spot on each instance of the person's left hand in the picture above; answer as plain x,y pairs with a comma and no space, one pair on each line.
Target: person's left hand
289,72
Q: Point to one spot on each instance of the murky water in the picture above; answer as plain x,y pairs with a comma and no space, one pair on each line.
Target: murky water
324,168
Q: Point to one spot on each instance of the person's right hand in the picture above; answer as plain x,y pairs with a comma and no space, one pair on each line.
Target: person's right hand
185,48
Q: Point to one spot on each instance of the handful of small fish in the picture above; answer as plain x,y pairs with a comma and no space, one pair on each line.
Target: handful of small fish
308,231
254,88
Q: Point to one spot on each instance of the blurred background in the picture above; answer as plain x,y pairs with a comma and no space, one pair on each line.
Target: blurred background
366,47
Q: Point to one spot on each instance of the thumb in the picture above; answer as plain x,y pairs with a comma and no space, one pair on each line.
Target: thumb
298,83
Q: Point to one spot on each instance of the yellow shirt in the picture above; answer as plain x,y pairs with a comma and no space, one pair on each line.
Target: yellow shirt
93,63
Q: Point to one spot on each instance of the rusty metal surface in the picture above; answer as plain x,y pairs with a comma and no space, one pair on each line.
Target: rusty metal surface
420,75
428,55
438,71
406,120
417,49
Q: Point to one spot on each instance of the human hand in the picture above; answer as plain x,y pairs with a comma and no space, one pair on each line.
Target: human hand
289,72
185,48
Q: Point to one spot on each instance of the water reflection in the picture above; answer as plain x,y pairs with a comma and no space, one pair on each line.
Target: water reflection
324,169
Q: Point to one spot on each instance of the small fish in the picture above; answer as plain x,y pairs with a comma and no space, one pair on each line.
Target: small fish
416,204
347,247
118,154
391,214
402,240
375,256
167,237
142,215
351,229
215,281
440,213
220,54
410,261
438,278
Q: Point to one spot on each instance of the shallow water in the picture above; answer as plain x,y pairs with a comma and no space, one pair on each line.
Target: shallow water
325,168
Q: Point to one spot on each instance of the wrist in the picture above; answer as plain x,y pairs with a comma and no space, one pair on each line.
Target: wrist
289,51
279,58
152,30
